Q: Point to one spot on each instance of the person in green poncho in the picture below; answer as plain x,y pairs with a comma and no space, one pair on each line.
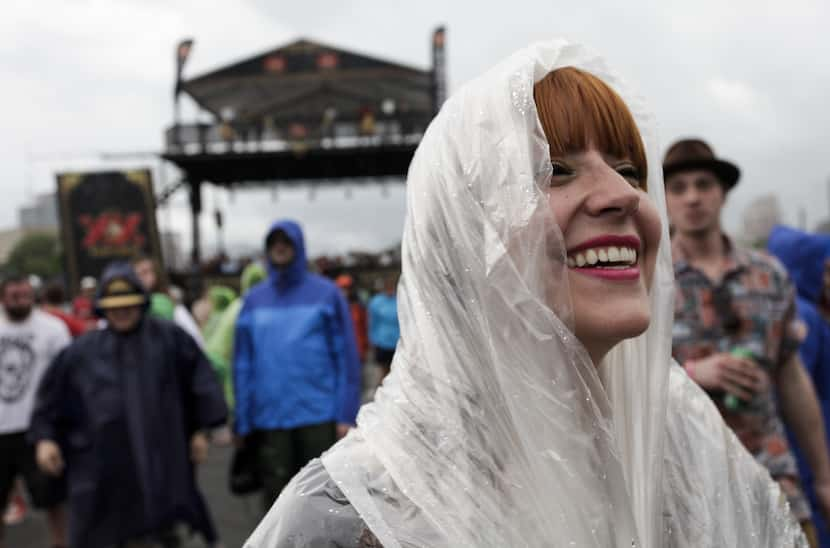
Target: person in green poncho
220,297
219,341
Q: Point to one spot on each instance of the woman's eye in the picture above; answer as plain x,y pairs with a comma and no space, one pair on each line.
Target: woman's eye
630,172
560,169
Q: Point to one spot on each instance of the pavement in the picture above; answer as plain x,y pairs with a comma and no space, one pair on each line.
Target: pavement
235,517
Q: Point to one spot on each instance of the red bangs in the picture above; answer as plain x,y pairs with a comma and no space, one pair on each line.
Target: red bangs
577,109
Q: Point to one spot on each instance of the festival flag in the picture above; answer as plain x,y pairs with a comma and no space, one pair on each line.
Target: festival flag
182,53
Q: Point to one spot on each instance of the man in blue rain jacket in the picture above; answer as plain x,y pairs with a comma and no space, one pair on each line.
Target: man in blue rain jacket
806,257
296,368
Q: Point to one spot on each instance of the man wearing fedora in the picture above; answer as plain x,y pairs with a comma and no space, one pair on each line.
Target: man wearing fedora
124,410
735,329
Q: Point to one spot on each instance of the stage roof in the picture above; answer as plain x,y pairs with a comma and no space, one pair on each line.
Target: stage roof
300,80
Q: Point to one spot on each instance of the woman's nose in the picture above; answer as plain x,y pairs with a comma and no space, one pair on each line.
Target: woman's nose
614,195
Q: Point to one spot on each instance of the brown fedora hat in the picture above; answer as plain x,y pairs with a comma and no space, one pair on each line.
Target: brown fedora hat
689,154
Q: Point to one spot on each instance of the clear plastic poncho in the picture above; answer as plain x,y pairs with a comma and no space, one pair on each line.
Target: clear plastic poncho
494,428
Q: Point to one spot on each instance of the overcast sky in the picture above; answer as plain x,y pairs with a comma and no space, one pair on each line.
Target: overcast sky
87,76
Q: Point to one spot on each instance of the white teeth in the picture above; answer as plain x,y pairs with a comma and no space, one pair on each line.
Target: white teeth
591,257
610,254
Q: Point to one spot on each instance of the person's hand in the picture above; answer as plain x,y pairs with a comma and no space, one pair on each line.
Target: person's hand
222,436
741,377
822,490
343,429
199,448
49,458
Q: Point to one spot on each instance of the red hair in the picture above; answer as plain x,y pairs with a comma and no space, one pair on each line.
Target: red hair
577,109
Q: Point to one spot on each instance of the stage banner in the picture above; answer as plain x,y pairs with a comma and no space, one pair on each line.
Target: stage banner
106,216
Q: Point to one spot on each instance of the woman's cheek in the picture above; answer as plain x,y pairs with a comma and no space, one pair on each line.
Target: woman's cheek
652,231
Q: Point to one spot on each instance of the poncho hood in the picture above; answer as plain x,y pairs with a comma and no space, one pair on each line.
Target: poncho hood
298,267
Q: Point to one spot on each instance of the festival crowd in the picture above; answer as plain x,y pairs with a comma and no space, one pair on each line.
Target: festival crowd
110,403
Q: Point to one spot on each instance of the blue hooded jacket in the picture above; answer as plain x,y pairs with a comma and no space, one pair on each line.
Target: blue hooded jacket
295,358
803,256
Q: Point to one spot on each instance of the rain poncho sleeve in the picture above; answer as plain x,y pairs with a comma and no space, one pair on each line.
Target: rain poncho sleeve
494,427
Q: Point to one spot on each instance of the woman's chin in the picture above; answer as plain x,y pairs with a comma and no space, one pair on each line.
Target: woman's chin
601,333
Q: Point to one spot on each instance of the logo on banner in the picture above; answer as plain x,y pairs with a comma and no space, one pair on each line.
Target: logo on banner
112,233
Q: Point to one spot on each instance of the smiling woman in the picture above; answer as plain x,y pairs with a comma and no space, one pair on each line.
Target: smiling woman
597,195
532,400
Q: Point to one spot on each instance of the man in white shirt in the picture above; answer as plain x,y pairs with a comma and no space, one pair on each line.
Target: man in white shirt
29,341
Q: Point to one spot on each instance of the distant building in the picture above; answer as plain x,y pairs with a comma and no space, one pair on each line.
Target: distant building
43,214
759,216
